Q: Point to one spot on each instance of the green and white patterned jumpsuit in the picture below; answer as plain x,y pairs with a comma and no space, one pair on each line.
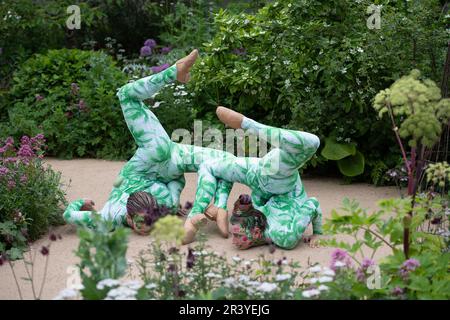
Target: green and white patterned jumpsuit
277,190
159,164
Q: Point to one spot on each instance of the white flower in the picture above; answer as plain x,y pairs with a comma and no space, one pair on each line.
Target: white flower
132,284
323,287
151,286
286,62
157,104
107,283
339,264
344,70
122,293
267,287
325,279
66,294
234,70
313,280
310,293
305,70
244,278
247,263
315,269
328,272
213,275
282,277
229,282
360,50
236,259
316,67
287,83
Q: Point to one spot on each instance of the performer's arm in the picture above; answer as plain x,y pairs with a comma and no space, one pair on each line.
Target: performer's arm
222,193
75,215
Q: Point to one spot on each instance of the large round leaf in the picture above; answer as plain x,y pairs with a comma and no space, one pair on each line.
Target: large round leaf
352,165
337,151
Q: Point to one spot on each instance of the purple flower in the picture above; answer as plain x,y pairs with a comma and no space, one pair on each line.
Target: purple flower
74,88
408,266
166,50
82,106
25,151
146,51
411,264
24,179
11,184
340,258
157,69
4,171
151,43
9,141
361,271
397,291
39,97
25,140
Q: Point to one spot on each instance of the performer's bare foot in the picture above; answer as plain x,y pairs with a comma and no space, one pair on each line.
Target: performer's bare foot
220,216
229,117
184,65
313,240
191,227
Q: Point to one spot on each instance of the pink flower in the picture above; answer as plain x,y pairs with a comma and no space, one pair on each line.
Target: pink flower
407,267
39,97
11,184
24,179
340,256
4,171
25,151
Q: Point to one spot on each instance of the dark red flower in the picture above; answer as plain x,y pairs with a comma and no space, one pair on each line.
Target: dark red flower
45,251
53,237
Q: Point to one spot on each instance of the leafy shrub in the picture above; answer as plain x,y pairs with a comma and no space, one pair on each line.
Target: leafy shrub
30,27
70,96
102,255
423,275
30,196
315,66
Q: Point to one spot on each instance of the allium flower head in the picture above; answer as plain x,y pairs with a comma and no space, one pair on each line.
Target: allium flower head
146,51
166,50
151,43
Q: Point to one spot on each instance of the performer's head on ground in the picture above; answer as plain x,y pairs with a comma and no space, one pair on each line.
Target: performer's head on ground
143,211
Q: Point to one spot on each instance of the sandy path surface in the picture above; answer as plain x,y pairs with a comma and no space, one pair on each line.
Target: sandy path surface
94,179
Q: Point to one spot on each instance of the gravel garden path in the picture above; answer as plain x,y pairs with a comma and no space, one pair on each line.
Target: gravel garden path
94,179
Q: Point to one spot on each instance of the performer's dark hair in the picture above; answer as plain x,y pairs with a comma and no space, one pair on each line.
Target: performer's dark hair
144,202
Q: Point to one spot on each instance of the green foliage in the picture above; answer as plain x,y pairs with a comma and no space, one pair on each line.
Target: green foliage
102,255
315,65
69,95
420,105
30,27
350,161
423,276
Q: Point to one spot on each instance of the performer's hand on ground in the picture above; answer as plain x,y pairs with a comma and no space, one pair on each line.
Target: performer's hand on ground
184,65
88,205
191,226
313,240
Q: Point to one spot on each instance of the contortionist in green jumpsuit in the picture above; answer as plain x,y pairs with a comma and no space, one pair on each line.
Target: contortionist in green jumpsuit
159,164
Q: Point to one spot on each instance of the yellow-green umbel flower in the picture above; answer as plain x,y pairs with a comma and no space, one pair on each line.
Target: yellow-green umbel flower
419,103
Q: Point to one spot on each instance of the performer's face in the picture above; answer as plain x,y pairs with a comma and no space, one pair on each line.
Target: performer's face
137,223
